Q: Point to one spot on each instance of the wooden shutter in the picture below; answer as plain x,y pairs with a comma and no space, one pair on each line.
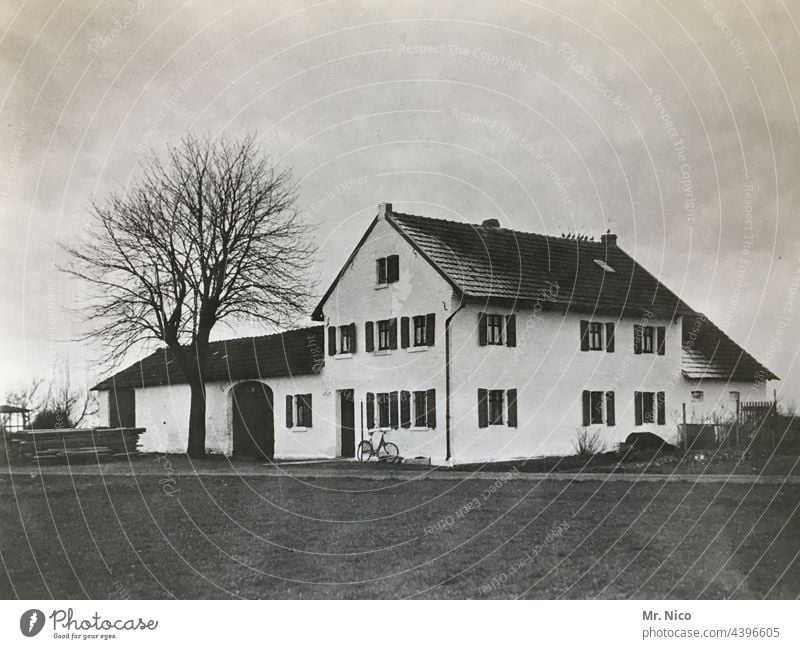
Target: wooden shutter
394,414
393,333
661,405
331,341
405,409
609,336
370,410
661,334
584,337
353,339
587,407
637,339
511,397
310,411
404,336
637,408
483,408
369,336
611,416
392,268
430,404
430,329
482,331
511,330
289,411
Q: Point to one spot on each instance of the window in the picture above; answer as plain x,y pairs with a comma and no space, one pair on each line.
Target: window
648,339
423,331
495,407
387,269
383,409
649,408
387,334
347,339
494,329
383,334
425,408
394,409
598,408
734,394
419,331
597,336
298,411
497,329
697,395
494,404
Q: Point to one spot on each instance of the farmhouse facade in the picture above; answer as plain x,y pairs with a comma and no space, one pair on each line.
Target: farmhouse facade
465,343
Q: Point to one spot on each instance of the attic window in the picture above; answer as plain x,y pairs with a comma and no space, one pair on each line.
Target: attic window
604,266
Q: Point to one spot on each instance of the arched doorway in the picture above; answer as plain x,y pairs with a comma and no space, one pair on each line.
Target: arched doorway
253,425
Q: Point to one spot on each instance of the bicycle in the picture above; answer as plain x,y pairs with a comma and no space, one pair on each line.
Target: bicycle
367,450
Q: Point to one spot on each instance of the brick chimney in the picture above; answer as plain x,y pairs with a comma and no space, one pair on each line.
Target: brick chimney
491,223
384,209
609,239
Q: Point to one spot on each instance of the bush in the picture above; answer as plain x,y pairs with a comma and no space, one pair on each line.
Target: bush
587,443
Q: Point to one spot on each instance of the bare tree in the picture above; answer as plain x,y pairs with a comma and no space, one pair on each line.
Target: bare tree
212,235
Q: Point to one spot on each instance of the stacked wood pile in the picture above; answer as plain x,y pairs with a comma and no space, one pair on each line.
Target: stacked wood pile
71,443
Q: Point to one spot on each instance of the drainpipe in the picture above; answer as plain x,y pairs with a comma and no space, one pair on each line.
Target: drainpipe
447,377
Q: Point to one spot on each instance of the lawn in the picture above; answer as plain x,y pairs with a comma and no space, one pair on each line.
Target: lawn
262,537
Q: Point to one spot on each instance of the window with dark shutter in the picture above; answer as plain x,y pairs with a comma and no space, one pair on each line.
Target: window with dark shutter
331,341
370,410
430,403
303,409
404,335
661,334
637,339
494,329
369,336
662,408
511,330
405,409
393,333
648,344
496,398
596,336
384,340
419,331
394,411
353,338
420,409
637,408
587,408
585,338
609,336
596,407
380,271
483,408
392,268
611,415
289,411
430,329
482,328
511,397
383,410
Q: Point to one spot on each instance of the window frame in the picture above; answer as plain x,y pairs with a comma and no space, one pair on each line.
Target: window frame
384,330
495,400
651,397
346,339
648,339
381,271
419,325
303,411
595,336
382,400
495,324
697,396
597,407
420,416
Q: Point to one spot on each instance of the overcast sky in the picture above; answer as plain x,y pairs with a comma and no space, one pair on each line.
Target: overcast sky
674,124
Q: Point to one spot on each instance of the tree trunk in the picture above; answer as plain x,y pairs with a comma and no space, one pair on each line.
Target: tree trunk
196,448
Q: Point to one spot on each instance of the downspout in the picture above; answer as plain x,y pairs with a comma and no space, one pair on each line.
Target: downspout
448,454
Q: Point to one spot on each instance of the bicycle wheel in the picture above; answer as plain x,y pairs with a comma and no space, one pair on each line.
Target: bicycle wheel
364,451
392,452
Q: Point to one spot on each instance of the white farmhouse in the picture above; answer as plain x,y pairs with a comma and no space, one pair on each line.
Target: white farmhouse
466,343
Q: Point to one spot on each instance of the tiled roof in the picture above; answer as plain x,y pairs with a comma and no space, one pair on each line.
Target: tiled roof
489,262
291,353
708,353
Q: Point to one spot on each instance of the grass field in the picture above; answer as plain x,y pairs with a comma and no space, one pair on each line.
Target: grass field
120,537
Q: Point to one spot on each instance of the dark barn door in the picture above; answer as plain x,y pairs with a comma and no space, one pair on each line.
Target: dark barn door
253,425
347,417
122,408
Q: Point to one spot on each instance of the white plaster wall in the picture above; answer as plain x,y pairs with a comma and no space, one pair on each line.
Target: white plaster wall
550,372
421,290
717,404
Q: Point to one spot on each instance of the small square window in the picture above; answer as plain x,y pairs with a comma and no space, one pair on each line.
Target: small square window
735,395
495,407
494,329
697,395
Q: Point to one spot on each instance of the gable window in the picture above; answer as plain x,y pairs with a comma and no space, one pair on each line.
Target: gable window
597,336
298,411
648,339
387,269
497,329
494,405
598,408
347,339
649,408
